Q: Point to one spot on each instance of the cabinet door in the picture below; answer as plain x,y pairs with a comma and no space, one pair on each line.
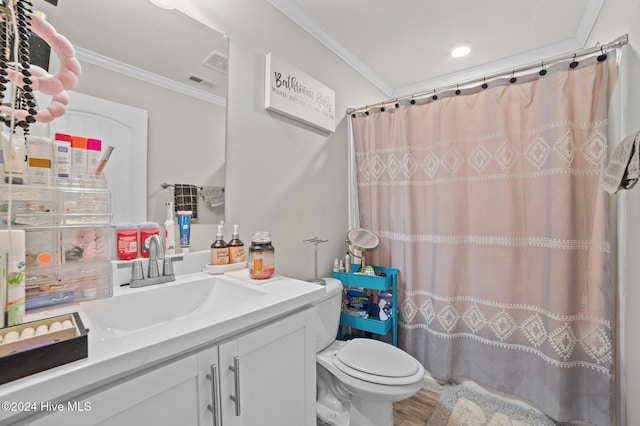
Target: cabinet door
268,376
165,396
209,384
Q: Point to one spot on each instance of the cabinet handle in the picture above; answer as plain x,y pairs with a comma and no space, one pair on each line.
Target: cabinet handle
236,376
214,407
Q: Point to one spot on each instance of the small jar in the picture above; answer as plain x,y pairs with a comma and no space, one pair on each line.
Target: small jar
261,256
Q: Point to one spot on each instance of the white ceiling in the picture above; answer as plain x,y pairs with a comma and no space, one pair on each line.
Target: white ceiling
404,46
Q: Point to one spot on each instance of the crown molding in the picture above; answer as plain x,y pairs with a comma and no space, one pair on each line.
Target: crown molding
293,12
146,76
587,22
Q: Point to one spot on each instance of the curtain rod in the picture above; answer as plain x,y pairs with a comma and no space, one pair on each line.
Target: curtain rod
543,65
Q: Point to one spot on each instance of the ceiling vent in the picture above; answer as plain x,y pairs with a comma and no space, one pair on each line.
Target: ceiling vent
217,61
199,80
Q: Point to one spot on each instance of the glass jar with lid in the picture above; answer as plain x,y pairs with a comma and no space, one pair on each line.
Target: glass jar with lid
261,256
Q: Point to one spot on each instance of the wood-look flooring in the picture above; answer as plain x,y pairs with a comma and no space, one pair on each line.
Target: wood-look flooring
415,411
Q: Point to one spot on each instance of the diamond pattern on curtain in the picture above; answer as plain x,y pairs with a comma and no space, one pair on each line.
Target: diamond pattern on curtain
489,205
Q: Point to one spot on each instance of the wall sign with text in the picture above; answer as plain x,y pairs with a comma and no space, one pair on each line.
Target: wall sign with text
293,93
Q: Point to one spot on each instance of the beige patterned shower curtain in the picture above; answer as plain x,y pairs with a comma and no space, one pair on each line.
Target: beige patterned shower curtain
488,203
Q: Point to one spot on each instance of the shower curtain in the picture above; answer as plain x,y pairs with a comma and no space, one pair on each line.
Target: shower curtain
489,205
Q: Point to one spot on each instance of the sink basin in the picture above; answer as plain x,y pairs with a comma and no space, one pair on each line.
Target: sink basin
136,309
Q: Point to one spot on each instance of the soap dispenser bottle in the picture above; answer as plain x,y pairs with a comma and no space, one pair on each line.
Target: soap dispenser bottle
236,247
219,249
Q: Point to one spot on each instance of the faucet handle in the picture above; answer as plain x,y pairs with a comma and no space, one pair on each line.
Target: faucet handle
136,270
153,268
167,267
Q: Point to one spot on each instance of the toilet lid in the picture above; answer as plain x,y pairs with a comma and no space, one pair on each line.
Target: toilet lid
376,361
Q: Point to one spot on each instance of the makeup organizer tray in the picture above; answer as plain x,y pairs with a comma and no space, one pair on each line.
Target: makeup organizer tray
69,239
41,345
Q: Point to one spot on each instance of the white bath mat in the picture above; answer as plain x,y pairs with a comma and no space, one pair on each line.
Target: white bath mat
459,405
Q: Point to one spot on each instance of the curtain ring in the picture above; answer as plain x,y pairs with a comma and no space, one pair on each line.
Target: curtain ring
484,85
513,78
457,90
413,101
434,97
366,110
574,63
602,56
381,106
397,104
543,70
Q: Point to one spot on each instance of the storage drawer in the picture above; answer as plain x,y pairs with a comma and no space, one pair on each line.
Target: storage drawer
86,244
84,207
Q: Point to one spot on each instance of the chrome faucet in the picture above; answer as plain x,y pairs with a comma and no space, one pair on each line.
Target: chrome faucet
156,252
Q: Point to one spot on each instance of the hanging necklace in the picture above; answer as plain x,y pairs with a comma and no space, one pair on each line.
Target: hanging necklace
22,98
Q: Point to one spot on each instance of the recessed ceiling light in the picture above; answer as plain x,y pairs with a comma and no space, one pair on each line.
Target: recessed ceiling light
164,4
460,51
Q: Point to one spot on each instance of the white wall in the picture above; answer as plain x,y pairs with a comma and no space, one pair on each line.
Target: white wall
616,18
284,176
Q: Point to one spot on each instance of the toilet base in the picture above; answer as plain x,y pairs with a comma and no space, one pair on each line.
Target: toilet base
331,417
366,412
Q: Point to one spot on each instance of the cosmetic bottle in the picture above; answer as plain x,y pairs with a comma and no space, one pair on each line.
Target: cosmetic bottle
219,249
78,156
169,231
94,153
347,263
236,247
62,157
39,160
14,164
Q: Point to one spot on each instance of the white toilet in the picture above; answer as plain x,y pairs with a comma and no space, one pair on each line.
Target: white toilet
358,380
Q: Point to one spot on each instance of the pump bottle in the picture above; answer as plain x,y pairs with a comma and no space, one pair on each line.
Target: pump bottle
219,249
169,231
236,247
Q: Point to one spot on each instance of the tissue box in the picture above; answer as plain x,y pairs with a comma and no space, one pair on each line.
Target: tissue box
33,354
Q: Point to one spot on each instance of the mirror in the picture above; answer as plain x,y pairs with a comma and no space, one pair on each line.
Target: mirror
168,64
362,242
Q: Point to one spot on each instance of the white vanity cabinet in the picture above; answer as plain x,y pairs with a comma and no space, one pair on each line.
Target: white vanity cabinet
163,396
264,376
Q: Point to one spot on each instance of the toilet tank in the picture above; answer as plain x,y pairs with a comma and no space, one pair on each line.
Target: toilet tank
328,313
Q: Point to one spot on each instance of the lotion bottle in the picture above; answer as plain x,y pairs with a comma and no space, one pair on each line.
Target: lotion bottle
219,250
169,231
236,247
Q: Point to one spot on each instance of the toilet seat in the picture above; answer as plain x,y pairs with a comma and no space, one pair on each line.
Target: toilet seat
377,362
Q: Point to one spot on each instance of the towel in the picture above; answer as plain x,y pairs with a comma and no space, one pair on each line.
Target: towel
623,170
213,195
186,198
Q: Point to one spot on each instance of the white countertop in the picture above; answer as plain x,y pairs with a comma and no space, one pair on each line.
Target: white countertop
113,355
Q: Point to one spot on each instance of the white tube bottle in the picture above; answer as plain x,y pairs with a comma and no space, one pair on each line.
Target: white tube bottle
169,231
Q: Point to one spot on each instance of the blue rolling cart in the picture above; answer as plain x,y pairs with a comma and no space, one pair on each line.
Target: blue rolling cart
372,325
